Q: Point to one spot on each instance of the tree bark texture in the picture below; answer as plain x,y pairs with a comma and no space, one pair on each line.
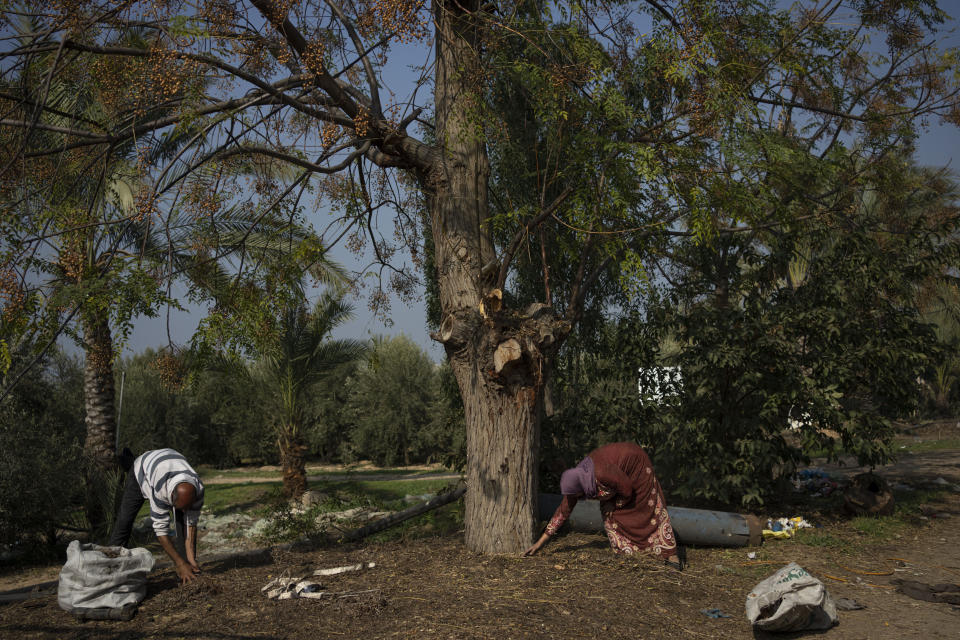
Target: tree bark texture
292,459
502,410
501,394
98,396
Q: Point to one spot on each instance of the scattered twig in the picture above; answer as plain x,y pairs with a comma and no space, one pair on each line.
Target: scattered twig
866,573
827,575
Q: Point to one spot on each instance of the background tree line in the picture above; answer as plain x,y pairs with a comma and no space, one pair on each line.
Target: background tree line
391,406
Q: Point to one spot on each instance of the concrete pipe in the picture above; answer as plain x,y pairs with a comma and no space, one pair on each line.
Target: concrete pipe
698,527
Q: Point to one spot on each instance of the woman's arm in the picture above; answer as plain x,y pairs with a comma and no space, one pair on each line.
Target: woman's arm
559,517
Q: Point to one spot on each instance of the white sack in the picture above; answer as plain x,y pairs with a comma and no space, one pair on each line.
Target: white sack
791,600
91,578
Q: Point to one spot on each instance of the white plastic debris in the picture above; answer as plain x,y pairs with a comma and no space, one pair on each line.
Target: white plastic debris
98,577
286,588
289,587
344,569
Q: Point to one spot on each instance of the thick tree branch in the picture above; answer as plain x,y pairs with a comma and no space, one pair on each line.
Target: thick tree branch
367,67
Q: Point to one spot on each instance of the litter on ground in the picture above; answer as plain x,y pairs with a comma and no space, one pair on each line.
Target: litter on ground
784,528
288,587
815,482
345,569
791,600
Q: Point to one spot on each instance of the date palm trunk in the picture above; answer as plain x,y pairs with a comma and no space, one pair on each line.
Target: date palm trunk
292,459
99,443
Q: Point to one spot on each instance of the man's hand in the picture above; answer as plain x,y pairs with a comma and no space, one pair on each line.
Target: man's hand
186,569
191,548
187,572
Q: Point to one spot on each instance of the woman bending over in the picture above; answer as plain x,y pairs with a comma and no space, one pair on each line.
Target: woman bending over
634,513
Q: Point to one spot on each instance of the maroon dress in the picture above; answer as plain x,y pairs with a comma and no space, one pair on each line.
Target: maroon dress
631,501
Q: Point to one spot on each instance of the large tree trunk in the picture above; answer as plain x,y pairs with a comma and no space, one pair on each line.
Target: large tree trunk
498,360
503,439
98,395
497,355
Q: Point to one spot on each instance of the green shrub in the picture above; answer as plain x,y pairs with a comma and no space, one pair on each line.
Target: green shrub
41,436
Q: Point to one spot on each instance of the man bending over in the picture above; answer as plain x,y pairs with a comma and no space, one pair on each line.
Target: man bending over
165,479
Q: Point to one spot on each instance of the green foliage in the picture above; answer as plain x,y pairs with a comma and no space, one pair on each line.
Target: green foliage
329,420
223,417
401,407
447,428
287,523
809,328
218,419
839,352
41,470
595,391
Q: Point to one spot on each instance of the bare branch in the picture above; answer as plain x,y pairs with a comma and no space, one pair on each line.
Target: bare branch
251,149
522,233
367,67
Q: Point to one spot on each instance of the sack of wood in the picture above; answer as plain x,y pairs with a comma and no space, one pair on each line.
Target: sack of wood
791,600
103,582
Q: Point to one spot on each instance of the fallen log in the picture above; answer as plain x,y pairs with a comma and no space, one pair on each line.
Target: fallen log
406,514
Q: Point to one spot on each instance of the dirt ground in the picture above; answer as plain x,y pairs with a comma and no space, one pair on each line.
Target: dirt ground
575,588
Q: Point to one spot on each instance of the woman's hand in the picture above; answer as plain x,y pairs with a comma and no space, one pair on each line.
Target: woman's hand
536,546
532,550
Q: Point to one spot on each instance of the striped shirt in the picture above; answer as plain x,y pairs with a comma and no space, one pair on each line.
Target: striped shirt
158,473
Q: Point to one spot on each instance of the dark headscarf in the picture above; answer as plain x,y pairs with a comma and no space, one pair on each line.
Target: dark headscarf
579,480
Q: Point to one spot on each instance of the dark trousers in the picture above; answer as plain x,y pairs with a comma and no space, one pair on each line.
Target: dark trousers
130,504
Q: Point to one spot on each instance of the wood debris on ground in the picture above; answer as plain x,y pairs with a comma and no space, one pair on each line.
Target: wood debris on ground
288,587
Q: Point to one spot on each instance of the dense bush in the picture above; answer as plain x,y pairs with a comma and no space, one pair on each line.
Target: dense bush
213,418
41,437
397,412
397,407
834,352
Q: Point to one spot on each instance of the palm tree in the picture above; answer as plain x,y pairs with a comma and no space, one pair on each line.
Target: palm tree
76,212
92,250
299,357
